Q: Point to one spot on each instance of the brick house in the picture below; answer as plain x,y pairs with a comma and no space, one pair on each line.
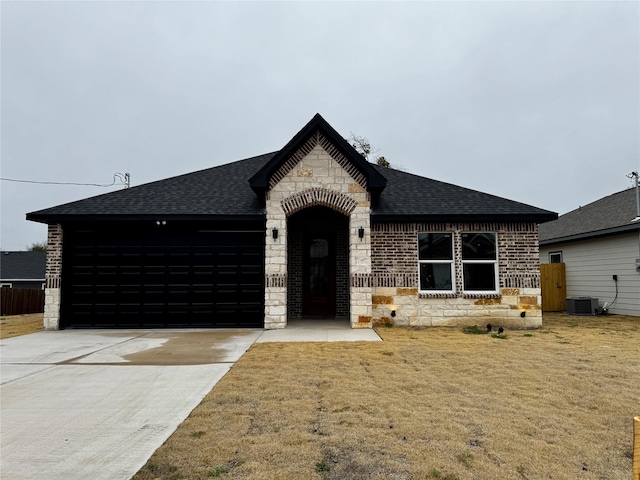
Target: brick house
312,230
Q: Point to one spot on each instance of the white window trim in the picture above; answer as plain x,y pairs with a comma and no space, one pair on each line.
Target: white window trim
450,262
557,252
6,284
495,263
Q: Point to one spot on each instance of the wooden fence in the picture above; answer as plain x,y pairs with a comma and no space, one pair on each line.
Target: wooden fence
19,301
554,287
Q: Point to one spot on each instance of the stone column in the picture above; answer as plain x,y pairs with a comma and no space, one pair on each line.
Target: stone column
275,288
360,267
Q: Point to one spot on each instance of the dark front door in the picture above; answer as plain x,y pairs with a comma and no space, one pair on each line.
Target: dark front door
319,273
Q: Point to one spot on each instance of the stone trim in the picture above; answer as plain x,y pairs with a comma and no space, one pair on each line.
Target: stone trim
275,280
318,196
410,227
437,295
361,280
399,280
481,295
520,280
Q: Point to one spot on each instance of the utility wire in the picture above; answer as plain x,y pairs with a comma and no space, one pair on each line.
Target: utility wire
124,178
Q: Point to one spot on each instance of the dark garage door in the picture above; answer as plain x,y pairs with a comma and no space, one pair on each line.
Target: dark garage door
161,276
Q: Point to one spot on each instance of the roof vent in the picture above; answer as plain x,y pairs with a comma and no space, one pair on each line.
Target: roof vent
582,306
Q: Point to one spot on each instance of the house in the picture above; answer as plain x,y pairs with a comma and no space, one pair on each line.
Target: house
312,230
22,269
599,244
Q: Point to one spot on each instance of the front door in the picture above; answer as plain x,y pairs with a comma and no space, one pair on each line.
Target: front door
319,266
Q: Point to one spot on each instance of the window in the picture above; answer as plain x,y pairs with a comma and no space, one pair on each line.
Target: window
555,257
435,258
479,262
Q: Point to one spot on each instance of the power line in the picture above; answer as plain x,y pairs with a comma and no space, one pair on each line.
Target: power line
124,178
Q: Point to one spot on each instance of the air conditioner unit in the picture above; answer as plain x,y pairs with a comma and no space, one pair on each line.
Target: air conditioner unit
582,306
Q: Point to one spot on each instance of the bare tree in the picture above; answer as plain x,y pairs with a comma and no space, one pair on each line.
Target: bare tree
363,147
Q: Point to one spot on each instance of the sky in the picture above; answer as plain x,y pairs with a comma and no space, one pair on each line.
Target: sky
537,102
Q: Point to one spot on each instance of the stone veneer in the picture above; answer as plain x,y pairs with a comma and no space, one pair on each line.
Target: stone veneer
53,275
317,174
396,287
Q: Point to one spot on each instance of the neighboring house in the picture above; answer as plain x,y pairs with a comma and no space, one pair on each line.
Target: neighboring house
598,242
312,230
22,269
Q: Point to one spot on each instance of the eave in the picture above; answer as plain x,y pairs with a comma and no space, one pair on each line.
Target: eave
588,235
50,219
508,218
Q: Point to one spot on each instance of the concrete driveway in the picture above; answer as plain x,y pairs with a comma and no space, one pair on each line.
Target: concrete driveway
81,404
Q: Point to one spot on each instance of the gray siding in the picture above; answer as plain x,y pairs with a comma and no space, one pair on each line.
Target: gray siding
591,264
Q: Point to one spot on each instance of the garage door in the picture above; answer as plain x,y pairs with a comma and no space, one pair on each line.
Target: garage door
181,276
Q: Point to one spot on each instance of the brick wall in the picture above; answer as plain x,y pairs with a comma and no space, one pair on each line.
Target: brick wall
53,275
394,264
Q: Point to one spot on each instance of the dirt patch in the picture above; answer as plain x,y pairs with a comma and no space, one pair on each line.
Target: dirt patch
16,325
557,402
188,348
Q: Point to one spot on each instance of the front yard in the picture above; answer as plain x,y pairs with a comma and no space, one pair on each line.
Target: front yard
16,325
554,403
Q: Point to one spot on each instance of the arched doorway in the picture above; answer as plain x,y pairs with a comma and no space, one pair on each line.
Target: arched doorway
318,263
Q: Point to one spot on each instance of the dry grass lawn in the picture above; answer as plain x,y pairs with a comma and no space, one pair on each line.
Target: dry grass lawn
16,325
554,403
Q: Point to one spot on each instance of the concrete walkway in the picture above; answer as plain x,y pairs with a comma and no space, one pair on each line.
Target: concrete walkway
319,330
80,404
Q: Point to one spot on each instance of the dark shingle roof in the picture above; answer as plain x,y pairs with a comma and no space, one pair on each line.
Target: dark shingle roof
225,191
217,191
610,214
22,265
426,199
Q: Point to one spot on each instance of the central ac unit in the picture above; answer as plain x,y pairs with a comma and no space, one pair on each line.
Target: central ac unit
582,306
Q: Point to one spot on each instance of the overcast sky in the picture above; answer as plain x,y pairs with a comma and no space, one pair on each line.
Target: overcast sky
537,102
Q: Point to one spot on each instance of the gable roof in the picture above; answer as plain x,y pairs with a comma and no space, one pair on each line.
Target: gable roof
22,265
611,214
260,181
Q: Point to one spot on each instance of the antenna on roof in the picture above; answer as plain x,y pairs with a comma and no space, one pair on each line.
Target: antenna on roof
634,177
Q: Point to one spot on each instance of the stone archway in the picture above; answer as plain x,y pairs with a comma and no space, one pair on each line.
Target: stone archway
319,197
316,180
